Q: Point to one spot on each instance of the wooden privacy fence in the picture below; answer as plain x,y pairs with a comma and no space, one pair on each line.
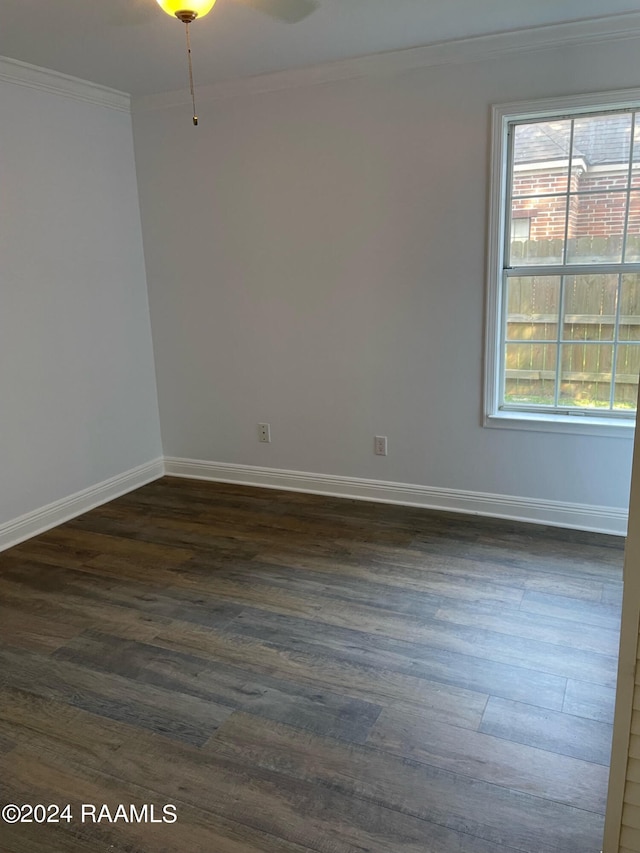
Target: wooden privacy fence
589,351
603,249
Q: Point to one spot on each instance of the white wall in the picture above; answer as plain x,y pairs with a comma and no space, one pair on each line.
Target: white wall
316,259
77,387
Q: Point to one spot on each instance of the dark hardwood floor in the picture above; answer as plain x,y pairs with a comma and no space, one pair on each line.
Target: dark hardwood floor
296,673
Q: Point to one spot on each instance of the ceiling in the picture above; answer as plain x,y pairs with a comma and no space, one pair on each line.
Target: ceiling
131,45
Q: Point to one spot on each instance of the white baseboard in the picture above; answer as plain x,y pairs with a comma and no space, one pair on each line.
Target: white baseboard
599,519
32,523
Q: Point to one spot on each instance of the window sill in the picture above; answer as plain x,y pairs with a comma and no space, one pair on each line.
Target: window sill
572,424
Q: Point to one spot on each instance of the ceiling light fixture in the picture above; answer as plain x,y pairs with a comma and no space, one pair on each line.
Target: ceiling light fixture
187,11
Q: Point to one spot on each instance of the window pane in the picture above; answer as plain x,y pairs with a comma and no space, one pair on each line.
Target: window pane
601,149
632,251
541,157
572,341
544,242
635,171
532,308
585,375
630,308
530,375
596,225
627,370
590,307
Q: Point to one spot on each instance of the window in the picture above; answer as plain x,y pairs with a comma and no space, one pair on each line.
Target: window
563,341
520,228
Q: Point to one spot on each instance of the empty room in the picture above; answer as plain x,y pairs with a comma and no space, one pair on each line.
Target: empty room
319,359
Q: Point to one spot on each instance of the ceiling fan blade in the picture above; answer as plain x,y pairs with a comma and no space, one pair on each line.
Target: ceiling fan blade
290,11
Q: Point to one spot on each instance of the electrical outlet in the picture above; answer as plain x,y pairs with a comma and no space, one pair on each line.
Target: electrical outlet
264,433
380,445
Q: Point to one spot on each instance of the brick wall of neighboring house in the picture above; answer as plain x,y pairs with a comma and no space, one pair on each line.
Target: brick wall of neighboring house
602,216
546,215
589,215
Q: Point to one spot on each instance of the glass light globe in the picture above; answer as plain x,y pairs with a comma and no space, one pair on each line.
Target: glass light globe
199,8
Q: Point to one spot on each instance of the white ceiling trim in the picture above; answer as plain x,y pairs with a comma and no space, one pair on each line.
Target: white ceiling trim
24,74
605,29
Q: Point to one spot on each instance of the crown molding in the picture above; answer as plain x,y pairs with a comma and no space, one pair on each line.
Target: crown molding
611,28
55,83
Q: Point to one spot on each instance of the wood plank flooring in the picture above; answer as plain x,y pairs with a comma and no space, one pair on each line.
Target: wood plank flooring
299,673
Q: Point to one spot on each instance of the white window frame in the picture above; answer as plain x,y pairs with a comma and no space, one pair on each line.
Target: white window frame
571,421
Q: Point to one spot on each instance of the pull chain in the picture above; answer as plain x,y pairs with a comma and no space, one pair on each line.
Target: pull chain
193,95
